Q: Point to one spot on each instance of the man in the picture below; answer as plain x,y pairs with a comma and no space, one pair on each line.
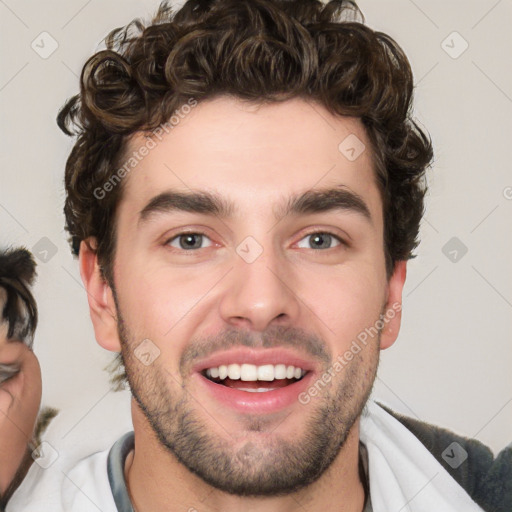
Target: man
244,194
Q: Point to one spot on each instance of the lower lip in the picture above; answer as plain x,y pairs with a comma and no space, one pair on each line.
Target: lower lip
255,402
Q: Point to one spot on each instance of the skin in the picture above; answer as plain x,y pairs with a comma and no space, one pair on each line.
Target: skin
20,398
256,157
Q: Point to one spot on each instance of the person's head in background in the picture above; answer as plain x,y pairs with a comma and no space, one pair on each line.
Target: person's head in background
20,375
250,127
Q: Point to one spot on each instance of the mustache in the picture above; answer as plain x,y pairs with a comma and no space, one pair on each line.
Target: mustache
275,336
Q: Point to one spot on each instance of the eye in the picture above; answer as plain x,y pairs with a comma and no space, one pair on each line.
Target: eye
188,241
321,240
7,372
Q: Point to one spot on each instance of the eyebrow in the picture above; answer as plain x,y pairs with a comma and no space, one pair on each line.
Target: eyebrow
209,203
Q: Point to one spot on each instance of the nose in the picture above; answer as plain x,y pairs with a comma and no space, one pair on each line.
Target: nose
259,294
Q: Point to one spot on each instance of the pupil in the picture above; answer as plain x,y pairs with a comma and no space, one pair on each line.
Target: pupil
322,238
187,241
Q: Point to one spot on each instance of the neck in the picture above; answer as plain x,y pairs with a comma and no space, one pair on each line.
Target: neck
157,481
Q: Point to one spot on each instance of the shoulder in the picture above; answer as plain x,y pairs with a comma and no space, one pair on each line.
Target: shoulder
86,487
82,486
487,479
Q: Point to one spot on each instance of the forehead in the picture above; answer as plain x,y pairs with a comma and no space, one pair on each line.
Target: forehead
263,153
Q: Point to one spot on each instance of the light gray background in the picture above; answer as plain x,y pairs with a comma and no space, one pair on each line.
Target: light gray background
451,364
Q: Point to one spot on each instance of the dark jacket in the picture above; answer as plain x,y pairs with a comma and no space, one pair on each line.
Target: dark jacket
487,479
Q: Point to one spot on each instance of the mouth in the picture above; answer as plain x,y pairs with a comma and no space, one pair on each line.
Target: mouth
254,379
255,382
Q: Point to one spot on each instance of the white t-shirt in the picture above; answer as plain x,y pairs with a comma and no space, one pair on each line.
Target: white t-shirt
398,465
106,492
74,459
83,487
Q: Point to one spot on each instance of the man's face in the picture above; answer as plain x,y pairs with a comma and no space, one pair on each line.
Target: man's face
253,285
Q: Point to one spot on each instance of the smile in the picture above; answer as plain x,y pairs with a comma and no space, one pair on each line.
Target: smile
256,396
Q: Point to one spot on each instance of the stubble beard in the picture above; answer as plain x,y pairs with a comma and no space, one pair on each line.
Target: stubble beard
244,463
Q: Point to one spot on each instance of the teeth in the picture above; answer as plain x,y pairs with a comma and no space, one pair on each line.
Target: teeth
251,372
258,390
248,372
266,372
234,371
280,371
223,371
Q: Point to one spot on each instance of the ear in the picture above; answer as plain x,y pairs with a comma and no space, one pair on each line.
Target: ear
99,295
392,314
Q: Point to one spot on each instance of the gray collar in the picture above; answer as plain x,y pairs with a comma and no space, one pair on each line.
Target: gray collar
115,470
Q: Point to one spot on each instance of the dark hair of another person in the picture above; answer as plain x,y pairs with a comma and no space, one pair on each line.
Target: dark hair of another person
17,273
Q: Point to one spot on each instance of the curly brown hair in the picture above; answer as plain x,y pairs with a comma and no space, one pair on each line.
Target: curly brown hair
261,51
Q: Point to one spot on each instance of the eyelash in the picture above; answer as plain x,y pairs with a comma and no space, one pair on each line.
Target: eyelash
184,233
8,372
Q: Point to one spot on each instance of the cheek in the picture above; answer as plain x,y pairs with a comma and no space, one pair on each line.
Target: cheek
346,301
22,414
33,384
158,302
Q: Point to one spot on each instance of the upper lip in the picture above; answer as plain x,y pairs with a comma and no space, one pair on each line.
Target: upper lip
257,357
